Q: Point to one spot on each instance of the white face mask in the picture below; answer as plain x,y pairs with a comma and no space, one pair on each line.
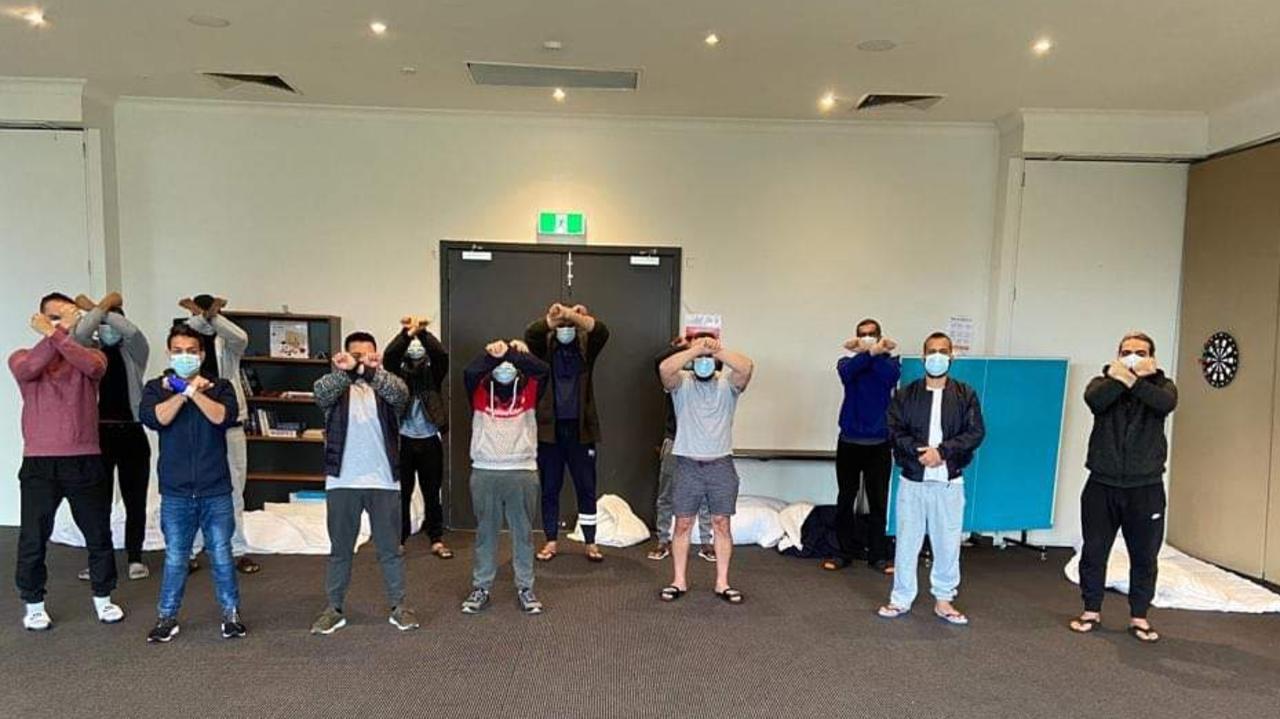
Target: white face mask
868,341
1130,360
416,350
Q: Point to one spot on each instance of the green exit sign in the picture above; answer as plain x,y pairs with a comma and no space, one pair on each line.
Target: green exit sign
562,224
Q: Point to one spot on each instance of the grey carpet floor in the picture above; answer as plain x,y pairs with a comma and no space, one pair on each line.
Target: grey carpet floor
805,644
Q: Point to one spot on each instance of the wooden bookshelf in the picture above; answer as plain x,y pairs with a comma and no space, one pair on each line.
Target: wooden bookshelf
305,440
285,477
280,400
288,360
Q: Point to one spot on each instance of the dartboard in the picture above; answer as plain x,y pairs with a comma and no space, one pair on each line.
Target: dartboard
1220,360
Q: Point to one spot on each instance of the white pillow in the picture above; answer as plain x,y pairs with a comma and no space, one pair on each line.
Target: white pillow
792,520
616,524
755,522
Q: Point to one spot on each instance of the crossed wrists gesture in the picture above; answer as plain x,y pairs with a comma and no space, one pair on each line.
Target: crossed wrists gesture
499,348
363,366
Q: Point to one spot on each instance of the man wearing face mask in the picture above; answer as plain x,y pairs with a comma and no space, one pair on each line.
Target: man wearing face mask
192,414
1130,402
869,374
224,345
124,443
61,458
362,402
570,340
504,385
935,426
417,357
705,399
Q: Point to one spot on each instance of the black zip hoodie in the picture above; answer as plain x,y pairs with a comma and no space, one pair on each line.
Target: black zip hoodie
1127,447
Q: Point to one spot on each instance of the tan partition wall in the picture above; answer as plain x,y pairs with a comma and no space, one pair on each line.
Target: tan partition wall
1225,477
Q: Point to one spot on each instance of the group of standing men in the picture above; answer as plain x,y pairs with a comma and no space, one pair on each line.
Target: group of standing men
931,429
533,414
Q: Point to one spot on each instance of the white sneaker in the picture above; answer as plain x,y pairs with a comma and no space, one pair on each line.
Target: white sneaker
83,575
138,570
37,621
110,613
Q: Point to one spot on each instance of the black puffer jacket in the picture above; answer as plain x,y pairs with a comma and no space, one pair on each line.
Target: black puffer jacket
1128,447
962,427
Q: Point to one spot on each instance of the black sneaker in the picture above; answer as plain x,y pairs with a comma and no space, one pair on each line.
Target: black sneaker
232,627
166,629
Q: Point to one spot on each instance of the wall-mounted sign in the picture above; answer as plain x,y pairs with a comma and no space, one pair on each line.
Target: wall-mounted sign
562,224
1220,360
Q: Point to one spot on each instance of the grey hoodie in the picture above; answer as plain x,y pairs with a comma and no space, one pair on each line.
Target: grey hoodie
133,348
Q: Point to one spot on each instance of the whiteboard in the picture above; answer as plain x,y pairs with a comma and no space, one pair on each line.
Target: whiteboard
44,241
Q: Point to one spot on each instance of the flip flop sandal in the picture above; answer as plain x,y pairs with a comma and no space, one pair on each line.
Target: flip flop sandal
596,557
1152,636
671,593
545,556
833,565
443,552
731,595
1080,625
953,618
889,611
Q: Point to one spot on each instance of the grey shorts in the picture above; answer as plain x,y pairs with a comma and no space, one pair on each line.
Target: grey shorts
714,480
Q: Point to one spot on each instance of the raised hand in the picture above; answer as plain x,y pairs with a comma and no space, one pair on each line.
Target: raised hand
519,346
215,308
42,325
190,305
556,312
84,303
580,310
344,361
1145,367
112,299
497,349
887,344
1117,371
372,361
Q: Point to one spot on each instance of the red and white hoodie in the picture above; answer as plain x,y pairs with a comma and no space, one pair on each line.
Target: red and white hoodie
504,433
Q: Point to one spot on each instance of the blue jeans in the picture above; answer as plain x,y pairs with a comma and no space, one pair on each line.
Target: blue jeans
180,517
935,509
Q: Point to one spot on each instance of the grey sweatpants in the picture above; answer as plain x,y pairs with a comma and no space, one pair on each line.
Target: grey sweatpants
343,508
510,493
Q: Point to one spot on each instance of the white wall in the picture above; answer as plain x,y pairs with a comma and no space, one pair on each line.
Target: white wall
45,244
791,230
1099,254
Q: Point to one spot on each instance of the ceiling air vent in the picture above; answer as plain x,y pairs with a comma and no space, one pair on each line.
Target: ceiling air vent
874,100
228,80
511,75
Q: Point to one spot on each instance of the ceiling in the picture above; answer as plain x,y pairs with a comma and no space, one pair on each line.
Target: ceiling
775,58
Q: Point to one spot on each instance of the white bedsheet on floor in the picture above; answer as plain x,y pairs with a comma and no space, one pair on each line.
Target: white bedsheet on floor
283,528
1185,582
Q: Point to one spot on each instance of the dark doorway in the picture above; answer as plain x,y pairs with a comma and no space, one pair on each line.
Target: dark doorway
494,290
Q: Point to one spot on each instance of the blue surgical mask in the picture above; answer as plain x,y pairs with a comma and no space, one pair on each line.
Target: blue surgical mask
937,364
566,334
704,367
109,336
504,373
185,365
416,351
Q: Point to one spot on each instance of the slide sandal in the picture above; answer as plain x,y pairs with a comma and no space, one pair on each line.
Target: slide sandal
671,593
731,595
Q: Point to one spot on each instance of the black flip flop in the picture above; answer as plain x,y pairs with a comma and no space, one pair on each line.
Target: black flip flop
671,593
731,595
1152,635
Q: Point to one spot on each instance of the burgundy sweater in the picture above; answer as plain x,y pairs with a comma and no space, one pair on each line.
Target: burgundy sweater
59,380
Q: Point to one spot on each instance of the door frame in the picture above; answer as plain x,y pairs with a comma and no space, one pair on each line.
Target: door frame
675,253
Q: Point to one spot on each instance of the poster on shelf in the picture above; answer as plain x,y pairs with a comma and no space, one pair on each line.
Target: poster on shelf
289,339
698,323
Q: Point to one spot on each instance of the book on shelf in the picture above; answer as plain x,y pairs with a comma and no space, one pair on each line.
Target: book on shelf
313,434
282,433
289,339
297,394
249,382
307,495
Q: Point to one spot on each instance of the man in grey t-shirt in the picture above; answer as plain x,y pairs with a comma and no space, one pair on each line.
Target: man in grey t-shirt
705,397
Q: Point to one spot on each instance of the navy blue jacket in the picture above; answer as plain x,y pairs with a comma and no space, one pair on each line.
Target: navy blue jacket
193,450
962,427
868,386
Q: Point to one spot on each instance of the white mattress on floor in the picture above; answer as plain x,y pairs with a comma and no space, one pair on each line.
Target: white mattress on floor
1185,582
284,528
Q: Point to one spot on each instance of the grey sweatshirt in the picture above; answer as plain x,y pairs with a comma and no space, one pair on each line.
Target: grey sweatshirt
133,348
230,343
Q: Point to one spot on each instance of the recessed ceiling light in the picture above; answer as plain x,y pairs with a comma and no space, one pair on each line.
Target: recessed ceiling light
827,102
1042,46
558,94
378,27
552,45
408,70
34,17
711,39
209,21
876,45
